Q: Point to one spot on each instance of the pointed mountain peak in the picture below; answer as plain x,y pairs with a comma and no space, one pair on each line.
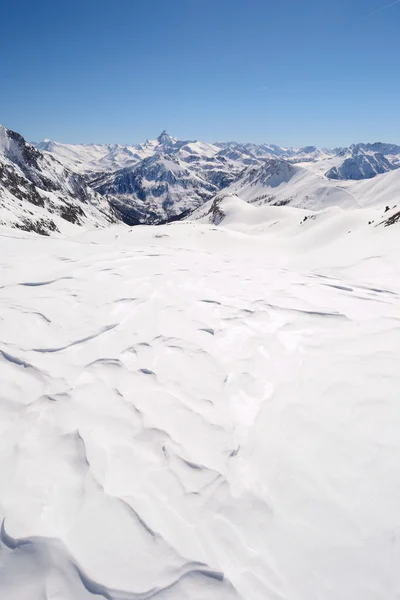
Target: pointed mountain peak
164,138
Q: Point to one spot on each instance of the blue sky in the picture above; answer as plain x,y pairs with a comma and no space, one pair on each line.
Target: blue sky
288,72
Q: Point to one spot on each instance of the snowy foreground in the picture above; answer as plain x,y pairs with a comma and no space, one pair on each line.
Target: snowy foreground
200,413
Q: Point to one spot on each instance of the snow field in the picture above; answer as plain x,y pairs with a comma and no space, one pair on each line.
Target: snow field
201,412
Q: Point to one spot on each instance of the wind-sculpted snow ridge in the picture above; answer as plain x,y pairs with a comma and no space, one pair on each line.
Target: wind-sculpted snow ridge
201,412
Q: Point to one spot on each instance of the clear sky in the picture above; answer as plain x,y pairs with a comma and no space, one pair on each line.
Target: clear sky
290,72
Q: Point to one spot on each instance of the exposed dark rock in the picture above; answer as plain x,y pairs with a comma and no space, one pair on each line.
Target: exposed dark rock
21,188
71,213
40,226
392,220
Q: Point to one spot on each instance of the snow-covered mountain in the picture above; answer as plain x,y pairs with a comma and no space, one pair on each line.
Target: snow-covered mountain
94,157
305,154
363,161
272,173
167,178
157,180
361,166
89,158
392,150
176,177
280,183
38,193
160,187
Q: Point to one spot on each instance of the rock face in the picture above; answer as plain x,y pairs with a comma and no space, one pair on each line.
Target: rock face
38,193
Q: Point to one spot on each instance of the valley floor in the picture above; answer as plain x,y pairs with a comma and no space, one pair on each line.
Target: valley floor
203,413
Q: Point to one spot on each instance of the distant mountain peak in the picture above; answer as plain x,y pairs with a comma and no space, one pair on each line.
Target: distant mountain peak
164,138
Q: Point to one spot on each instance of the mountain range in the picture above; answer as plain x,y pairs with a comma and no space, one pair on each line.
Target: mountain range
49,186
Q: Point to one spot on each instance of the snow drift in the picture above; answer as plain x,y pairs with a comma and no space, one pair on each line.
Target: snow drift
202,412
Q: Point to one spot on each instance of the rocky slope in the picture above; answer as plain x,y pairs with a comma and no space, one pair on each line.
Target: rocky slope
38,193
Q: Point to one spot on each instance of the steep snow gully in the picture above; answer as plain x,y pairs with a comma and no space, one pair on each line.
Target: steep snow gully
201,413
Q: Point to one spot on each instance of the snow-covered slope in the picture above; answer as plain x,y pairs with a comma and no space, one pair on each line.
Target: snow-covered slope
202,413
364,161
280,183
40,194
361,166
77,157
232,211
